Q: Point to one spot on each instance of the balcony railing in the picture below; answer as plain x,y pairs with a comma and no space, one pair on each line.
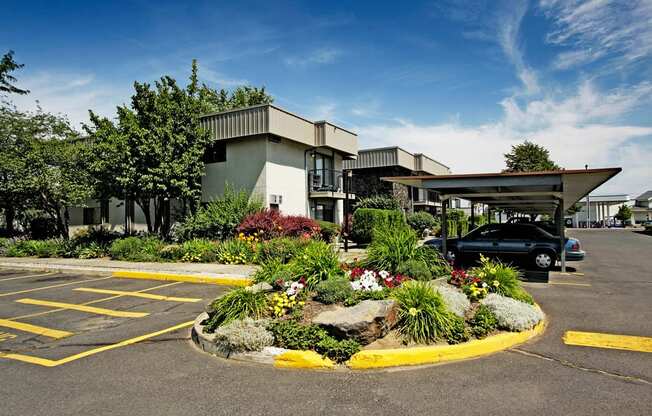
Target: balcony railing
325,180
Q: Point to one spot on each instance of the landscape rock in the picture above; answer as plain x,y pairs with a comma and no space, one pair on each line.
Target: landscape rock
260,287
364,322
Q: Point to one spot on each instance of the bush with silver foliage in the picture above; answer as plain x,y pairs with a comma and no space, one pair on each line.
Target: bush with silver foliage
455,300
243,335
512,314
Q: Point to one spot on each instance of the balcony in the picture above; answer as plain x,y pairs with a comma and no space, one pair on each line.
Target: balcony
326,183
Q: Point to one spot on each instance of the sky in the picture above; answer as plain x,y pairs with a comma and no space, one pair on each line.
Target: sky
461,81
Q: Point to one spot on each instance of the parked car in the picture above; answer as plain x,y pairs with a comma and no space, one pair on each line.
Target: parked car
524,244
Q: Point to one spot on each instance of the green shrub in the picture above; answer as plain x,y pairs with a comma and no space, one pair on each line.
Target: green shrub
337,350
237,304
422,314
366,219
39,248
458,331
436,263
318,262
483,322
379,202
136,249
295,336
273,270
500,279
422,220
391,246
280,249
199,250
4,245
416,269
235,251
359,295
172,252
328,231
220,217
333,290
92,250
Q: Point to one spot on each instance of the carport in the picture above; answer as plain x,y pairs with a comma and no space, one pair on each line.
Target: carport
549,192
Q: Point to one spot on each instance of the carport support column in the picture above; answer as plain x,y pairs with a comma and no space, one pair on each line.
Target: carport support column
472,216
444,226
561,230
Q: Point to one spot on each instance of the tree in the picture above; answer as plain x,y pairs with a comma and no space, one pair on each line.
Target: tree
153,153
574,209
42,166
624,214
529,157
8,65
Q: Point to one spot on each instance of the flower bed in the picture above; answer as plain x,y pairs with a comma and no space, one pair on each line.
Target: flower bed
307,303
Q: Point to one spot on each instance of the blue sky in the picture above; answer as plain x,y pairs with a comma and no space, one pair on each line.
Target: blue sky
460,81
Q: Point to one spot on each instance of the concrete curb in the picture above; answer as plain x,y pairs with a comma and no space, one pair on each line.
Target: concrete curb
375,359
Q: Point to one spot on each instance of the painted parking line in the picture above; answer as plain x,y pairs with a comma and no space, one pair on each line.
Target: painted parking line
35,329
610,341
53,363
82,308
27,277
569,284
52,286
4,336
92,302
137,294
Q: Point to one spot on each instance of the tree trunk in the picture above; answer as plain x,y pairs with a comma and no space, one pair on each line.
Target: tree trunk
10,216
144,206
157,214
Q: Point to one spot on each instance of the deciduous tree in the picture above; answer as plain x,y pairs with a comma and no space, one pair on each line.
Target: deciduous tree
529,157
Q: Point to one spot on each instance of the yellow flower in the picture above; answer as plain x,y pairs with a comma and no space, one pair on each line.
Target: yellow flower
496,283
413,311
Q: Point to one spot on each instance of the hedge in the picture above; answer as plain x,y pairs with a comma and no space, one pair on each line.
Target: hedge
365,219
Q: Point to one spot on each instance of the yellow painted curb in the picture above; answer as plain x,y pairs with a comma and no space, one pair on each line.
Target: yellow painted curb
303,359
187,278
442,353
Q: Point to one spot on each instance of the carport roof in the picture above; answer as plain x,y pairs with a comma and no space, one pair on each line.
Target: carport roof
520,191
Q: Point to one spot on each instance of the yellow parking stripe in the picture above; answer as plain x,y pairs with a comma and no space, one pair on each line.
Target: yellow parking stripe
137,294
52,286
92,302
53,363
83,308
27,277
568,284
35,329
610,341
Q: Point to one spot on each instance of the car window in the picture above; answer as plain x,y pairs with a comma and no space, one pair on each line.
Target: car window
521,231
487,233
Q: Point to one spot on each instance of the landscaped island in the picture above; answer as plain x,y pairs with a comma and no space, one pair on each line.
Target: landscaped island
401,295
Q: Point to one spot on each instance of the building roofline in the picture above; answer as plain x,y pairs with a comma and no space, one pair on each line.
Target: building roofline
503,174
402,149
215,113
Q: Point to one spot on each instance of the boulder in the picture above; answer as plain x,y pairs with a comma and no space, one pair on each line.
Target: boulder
260,287
364,322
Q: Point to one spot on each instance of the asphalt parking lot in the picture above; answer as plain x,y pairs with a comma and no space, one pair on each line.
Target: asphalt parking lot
609,293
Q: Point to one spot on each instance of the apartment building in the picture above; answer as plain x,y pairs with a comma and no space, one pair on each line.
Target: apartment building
292,164
373,164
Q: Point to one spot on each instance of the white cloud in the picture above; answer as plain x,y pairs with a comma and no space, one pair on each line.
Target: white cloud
317,57
70,94
509,24
219,79
575,129
616,30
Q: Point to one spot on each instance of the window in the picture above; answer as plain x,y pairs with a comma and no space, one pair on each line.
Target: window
274,207
324,211
215,152
89,216
323,161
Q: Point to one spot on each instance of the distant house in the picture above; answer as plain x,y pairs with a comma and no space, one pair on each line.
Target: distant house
642,209
291,163
373,164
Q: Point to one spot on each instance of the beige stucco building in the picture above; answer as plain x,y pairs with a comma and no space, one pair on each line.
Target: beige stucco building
292,164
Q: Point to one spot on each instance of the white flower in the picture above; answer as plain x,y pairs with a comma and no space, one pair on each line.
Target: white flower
356,285
384,274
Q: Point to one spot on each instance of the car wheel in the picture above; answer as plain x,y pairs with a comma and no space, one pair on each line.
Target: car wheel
543,260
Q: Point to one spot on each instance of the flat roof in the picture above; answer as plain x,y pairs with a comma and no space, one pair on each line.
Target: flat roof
539,192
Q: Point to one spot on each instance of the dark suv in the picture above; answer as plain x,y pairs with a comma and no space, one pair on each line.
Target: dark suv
525,244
